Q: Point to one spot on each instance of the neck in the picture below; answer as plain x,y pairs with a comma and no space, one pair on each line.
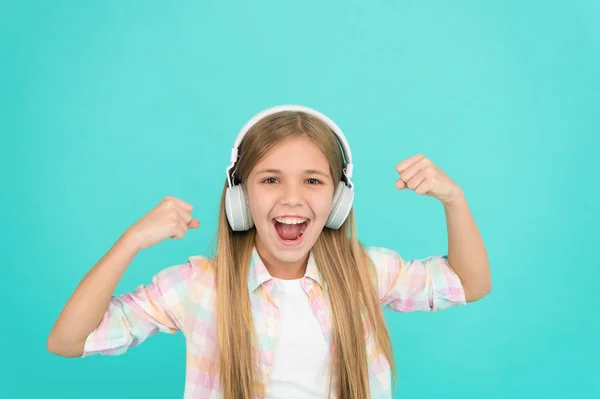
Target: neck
280,269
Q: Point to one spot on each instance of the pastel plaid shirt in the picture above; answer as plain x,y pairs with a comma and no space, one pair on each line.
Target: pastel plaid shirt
182,298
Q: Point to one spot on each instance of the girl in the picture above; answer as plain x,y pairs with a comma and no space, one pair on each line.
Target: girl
289,306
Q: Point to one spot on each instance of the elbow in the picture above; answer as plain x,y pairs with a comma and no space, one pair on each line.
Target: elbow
477,292
53,346
56,347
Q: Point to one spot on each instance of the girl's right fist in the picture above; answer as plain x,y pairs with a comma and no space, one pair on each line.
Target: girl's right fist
170,218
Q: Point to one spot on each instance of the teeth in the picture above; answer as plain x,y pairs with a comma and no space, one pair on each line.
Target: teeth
290,221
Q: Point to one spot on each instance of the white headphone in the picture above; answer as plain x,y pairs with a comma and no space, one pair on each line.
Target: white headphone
236,206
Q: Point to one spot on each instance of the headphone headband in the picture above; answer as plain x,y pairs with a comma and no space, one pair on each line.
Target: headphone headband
270,111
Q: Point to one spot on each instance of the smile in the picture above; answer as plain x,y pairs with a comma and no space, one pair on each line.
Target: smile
290,229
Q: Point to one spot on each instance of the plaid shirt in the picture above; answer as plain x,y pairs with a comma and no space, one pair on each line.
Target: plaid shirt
182,298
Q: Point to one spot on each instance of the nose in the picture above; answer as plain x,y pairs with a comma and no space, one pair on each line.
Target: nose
291,194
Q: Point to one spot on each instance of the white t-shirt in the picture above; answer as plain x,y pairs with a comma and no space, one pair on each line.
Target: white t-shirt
302,359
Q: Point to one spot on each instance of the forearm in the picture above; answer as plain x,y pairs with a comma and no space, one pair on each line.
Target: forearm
88,303
466,251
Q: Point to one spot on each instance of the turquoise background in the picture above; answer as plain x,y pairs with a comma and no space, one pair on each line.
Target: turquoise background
107,107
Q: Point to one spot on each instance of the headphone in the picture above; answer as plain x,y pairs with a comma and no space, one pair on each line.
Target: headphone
236,204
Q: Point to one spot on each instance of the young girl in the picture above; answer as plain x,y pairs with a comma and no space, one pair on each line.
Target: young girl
289,306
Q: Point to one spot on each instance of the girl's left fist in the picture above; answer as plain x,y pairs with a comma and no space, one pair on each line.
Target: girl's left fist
418,173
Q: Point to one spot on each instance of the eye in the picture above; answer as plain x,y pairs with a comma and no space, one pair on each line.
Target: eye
314,181
270,180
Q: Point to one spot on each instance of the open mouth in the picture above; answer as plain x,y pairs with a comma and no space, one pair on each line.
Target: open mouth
290,230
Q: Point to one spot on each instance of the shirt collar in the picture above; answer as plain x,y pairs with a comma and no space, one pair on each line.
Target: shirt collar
258,273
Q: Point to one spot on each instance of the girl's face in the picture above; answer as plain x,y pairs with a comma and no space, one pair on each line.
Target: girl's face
290,194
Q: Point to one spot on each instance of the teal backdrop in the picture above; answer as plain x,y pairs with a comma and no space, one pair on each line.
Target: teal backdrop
108,106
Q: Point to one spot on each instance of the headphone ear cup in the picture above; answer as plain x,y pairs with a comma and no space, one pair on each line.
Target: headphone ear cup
341,206
237,210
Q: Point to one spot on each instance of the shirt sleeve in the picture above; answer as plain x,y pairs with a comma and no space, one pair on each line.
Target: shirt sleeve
134,316
427,284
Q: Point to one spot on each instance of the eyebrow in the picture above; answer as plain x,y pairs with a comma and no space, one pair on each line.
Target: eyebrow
306,171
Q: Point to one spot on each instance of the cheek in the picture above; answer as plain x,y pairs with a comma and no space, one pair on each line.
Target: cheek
260,202
321,205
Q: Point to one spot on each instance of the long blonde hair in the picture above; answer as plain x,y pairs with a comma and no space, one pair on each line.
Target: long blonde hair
341,261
